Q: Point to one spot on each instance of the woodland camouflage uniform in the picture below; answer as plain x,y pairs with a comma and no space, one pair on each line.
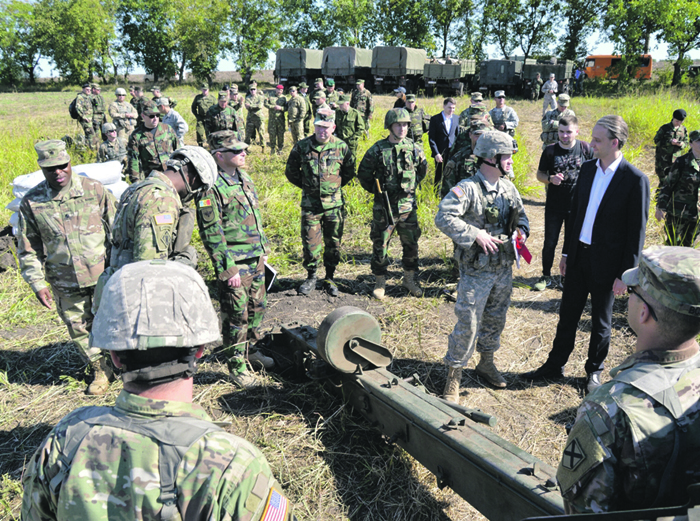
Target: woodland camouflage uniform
420,121
363,102
200,106
254,126
83,106
667,153
276,120
149,149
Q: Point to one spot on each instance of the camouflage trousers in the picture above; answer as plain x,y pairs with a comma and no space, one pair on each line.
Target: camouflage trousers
242,312
97,121
297,129
201,133
681,231
550,100
662,164
74,306
483,298
89,131
255,129
322,231
275,131
409,232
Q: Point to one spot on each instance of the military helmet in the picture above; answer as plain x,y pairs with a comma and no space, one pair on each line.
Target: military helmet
396,116
202,161
108,127
155,303
120,92
493,143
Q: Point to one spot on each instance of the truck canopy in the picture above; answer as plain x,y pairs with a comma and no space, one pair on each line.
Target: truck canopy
397,61
449,71
562,69
342,61
294,62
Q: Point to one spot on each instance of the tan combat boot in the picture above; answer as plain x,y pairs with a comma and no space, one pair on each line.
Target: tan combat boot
487,369
103,372
454,377
409,282
379,285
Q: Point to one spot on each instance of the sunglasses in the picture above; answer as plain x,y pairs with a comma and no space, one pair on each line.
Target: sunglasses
234,152
632,291
154,116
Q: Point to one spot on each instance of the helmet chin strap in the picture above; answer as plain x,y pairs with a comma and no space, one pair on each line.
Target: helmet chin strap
190,193
497,164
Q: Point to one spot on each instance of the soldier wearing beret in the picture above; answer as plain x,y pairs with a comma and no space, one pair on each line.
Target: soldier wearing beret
123,114
636,440
200,106
332,95
113,148
150,145
670,140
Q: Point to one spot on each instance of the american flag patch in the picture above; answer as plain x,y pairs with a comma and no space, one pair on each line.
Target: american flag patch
163,218
276,507
204,203
458,191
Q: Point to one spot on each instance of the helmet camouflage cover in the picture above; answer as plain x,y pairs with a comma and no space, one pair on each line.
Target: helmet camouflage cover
202,161
396,116
493,143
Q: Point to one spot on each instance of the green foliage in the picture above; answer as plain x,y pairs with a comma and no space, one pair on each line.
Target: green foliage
581,18
254,29
405,23
354,21
680,27
309,24
200,35
447,16
19,42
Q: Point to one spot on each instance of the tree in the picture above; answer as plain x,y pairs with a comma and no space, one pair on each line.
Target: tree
20,47
500,18
445,16
581,17
405,23
310,25
534,25
680,28
199,28
355,22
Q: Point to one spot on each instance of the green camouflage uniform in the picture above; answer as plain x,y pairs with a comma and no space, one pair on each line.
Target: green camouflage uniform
308,115
350,126
297,117
485,280
223,119
99,107
363,102
460,166
231,229
321,170
83,106
666,153
276,124
550,126
475,109
149,149
332,98
536,88
254,126
118,112
138,103
678,197
420,121
67,233
200,107
117,473
400,168
114,151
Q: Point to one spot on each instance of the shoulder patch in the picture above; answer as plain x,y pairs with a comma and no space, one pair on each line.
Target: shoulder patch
583,453
276,507
458,191
573,455
204,203
163,218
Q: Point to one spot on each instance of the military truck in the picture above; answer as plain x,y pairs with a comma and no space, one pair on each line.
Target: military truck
562,69
394,67
346,65
296,65
449,77
504,75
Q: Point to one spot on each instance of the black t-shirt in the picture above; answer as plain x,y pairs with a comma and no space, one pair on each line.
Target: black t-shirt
555,160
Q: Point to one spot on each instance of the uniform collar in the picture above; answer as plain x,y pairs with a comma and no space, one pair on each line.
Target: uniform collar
74,189
134,404
657,356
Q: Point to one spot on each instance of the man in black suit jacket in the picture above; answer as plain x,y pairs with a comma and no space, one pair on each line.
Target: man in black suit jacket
441,137
604,238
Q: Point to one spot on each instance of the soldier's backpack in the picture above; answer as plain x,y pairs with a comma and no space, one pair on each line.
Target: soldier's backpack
72,110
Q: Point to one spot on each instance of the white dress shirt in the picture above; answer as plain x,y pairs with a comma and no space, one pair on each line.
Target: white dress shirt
601,181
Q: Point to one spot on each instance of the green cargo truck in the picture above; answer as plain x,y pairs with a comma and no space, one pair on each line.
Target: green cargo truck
394,67
449,77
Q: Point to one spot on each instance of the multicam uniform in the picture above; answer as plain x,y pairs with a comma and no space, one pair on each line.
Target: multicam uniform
276,124
505,116
485,280
223,119
231,229
254,125
400,168
636,440
67,232
550,99
200,106
125,125
350,126
196,471
678,197
297,112
362,101
112,151
550,125
321,170
99,107
667,153
149,149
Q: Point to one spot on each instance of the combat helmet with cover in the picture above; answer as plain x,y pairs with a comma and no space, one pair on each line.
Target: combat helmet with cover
203,163
492,144
396,116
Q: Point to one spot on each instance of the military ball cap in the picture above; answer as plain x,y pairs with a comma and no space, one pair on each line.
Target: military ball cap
223,94
325,118
303,85
694,136
204,85
319,94
225,140
150,109
359,82
155,88
563,100
318,80
51,153
499,94
671,275
410,97
155,303
344,98
477,96
86,85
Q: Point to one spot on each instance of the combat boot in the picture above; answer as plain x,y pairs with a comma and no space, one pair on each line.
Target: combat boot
103,372
379,287
330,285
487,369
454,377
246,380
409,282
257,358
309,284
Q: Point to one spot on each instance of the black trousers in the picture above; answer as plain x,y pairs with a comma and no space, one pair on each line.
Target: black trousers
439,167
552,227
578,284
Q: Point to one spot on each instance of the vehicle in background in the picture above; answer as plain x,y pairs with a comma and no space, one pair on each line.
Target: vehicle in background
562,69
394,67
504,75
600,66
293,66
449,76
346,65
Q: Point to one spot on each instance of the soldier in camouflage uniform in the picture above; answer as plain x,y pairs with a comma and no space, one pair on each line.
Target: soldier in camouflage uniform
236,103
154,454
462,165
420,121
332,95
123,115
477,107
362,101
150,145
113,148
677,197
670,140
83,106
636,440
504,118
550,89
99,107
481,215
64,226
398,166
200,107
536,87
138,102
222,116
321,165
231,229
350,124
157,95
254,125
296,109
276,105
550,121
308,116
236,98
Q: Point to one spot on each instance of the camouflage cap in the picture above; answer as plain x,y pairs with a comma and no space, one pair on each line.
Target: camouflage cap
694,136
163,101
225,140
359,82
109,127
223,94
344,98
120,92
292,88
671,275
318,80
410,97
330,82
563,100
325,118
303,85
499,94
150,109
51,153
493,143
319,94
233,88
155,303
253,84
477,96
204,85
95,86
138,89
480,127
155,88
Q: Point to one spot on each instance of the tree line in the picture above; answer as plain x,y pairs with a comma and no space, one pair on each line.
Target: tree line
108,38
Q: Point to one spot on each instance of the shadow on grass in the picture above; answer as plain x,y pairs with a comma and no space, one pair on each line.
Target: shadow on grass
45,365
17,446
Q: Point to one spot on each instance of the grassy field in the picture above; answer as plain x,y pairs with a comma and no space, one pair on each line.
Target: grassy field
330,463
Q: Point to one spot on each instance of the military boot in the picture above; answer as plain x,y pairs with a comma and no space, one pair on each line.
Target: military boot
103,372
379,285
487,369
246,380
454,377
409,282
309,284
